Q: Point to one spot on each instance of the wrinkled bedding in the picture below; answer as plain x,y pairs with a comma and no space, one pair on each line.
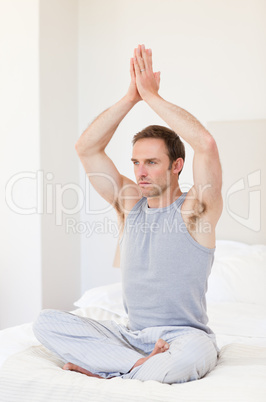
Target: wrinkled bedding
35,374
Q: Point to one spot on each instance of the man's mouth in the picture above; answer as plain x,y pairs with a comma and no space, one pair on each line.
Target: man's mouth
144,183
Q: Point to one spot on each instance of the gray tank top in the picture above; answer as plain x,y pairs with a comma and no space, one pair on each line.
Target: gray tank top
164,270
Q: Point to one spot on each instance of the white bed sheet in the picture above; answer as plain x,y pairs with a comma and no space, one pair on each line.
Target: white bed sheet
237,315
37,375
30,371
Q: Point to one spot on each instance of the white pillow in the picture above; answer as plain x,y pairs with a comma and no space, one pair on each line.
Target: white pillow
237,319
238,273
107,297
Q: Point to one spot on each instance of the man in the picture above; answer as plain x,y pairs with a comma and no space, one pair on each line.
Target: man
167,247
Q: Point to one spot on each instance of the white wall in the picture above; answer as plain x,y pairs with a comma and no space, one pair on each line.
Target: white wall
20,267
40,260
58,130
212,61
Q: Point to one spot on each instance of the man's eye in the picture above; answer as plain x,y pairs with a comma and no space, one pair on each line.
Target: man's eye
152,162
135,163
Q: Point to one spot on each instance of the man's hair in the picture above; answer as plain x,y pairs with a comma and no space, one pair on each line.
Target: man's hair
174,145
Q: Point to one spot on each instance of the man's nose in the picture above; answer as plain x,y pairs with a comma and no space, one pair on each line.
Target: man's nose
142,171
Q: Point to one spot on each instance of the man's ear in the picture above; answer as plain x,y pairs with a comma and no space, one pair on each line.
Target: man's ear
178,165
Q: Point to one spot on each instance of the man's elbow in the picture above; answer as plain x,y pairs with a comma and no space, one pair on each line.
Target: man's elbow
206,144
81,151
78,147
210,144
84,149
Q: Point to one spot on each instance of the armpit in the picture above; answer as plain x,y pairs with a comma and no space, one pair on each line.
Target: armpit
119,209
199,209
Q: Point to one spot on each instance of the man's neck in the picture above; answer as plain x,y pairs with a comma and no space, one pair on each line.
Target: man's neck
164,200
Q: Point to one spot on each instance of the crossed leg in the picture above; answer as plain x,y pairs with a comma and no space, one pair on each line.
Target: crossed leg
94,348
101,350
161,346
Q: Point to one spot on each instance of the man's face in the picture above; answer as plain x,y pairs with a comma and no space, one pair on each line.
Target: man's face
151,166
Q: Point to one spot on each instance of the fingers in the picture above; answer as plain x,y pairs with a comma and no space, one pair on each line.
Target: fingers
142,59
136,65
132,70
157,77
139,61
147,81
147,56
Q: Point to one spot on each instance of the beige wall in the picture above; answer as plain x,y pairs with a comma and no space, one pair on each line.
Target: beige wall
242,147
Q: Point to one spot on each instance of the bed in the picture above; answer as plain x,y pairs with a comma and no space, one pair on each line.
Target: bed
236,302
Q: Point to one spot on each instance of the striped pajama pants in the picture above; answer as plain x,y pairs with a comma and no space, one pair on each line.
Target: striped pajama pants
110,350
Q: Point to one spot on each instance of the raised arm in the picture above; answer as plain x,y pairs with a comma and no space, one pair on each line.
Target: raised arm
207,174
91,145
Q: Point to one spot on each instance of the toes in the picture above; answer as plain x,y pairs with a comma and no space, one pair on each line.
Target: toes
166,346
68,366
163,345
160,343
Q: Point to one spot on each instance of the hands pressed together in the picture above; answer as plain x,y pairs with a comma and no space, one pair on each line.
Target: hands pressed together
144,82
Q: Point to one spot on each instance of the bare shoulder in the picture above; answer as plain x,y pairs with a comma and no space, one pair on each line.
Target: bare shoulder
201,215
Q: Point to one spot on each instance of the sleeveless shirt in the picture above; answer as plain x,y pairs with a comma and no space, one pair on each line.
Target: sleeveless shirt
164,270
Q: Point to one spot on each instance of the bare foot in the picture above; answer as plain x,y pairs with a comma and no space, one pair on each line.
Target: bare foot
73,367
161,346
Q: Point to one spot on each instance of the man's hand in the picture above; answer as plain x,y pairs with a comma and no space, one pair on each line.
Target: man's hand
147,81
133,93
